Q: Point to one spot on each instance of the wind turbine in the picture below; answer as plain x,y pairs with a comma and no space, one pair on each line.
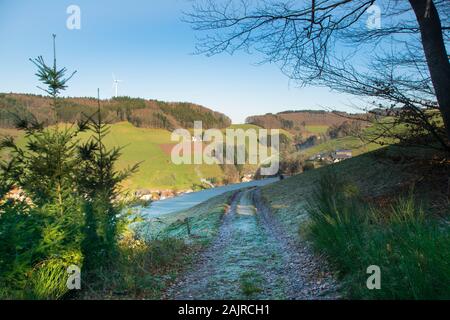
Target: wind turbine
115,84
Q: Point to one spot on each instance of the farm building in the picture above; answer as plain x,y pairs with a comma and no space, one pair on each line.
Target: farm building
339,155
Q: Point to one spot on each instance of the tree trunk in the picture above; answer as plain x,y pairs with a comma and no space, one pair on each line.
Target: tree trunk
436,54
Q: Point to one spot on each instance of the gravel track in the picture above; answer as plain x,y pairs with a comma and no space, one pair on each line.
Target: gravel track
253,258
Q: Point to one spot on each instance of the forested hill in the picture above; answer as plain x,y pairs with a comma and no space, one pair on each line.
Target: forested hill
140,112
298,120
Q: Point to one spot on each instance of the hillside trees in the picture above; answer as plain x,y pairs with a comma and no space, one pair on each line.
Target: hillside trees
401,64
139,112
345,129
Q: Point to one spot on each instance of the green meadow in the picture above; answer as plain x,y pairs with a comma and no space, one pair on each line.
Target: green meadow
317,129
351,143
150,147
358,144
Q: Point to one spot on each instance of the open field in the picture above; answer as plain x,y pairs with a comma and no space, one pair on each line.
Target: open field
157,169
351,143
317,129
149,147
152,147
358,144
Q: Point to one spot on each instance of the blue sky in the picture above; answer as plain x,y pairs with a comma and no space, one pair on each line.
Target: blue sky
145,44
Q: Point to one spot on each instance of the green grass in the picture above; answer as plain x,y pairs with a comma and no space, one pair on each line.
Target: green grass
143,145
156,170
413,253
317,128
356,144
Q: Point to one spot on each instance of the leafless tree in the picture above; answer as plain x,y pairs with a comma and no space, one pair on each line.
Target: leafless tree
401,64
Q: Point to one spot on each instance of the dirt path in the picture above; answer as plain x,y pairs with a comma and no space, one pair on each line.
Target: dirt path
252,258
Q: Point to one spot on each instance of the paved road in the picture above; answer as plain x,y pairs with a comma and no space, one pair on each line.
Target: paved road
190,200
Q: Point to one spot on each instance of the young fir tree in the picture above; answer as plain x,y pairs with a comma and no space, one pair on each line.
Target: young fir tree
74,190
46,171
99,183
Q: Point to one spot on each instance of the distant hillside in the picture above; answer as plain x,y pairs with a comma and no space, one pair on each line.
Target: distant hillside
312,121
139,112
152,148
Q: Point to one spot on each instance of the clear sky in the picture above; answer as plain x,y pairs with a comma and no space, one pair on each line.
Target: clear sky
145,44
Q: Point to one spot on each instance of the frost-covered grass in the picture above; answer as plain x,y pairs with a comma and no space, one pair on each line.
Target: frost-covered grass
204,220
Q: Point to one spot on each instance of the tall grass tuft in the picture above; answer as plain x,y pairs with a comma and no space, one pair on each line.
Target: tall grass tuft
413,252
49,277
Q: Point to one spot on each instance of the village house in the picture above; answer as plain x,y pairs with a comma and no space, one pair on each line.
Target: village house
340,155
247,178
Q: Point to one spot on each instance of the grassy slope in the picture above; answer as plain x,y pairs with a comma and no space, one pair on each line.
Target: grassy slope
157,169
317,129
375,173
289,197
380,177
350,142
359,145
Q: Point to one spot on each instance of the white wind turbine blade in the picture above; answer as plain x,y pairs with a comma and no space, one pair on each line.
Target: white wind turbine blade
116,84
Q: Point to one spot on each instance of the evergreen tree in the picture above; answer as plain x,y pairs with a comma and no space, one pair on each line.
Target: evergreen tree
99,184
45,170
72,204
